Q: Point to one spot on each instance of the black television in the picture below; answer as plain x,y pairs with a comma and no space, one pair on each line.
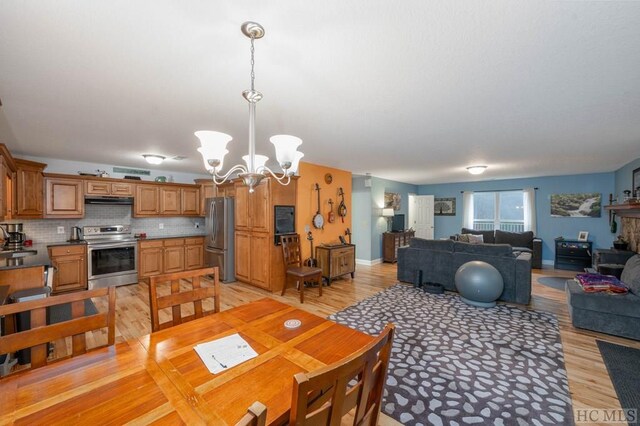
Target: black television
397,223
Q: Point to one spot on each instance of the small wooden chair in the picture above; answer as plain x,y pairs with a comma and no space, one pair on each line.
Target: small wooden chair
256,415
178,297
325,396
295,272
40,334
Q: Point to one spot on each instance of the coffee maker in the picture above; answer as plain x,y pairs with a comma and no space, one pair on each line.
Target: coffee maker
13,235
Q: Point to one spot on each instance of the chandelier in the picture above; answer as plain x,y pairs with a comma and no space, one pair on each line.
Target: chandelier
213,145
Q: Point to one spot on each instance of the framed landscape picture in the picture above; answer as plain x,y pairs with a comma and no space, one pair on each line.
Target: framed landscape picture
444,207
576,205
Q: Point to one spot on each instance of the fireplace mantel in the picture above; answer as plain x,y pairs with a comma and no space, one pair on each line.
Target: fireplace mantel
625,210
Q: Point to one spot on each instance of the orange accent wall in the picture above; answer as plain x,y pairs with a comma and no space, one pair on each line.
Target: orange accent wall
307,204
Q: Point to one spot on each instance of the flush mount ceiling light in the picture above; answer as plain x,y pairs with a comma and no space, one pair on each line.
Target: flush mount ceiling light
154,159
213,145
476,170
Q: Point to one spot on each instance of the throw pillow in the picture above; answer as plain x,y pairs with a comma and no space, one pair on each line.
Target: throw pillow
475,239
464,238
631,274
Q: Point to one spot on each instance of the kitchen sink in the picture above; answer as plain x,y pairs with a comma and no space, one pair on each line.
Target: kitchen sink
14,254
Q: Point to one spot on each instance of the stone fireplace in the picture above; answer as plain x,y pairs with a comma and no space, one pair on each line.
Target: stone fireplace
631,232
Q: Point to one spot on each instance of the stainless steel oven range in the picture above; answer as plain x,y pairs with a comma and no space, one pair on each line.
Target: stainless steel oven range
112,254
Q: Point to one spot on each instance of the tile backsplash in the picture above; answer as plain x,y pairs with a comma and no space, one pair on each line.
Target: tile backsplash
46,230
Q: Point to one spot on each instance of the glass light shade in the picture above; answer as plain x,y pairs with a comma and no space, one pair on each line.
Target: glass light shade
286,147
154,159
213,144
259,162
295,163
476,170
388,213
208,166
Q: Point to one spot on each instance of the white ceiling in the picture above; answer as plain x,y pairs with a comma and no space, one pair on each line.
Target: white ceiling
412,91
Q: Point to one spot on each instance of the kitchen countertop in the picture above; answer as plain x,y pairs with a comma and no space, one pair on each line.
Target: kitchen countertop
167,237
41,258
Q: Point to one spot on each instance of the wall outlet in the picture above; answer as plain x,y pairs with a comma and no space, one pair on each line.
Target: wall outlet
161,226
196,224
60,229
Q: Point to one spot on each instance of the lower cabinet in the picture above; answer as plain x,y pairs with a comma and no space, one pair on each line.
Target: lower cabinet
70,268
336,261
170,255
252,258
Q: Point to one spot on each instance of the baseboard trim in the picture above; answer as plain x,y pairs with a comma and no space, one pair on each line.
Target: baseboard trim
368,262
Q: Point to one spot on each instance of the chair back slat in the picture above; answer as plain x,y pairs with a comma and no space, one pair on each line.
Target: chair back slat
325,396
291,251
40,334
179,296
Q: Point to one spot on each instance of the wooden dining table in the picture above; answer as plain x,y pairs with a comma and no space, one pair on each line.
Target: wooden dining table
159,378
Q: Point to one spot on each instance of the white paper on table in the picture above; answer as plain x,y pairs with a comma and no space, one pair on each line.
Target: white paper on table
224,353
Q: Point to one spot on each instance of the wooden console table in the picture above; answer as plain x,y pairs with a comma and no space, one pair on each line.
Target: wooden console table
391,241
336,261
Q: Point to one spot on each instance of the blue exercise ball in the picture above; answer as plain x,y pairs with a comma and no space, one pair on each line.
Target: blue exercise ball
479,284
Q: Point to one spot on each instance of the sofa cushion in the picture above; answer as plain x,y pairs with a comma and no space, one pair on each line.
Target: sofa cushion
484,249
631,274
487,236
515,239
618,304
475,239
421,243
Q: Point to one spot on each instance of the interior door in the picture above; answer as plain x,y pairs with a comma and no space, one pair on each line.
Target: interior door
423,216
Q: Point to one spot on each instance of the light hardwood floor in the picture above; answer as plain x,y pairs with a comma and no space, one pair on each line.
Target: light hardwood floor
589,382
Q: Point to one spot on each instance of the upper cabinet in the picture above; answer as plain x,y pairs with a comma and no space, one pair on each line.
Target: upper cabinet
29,187
115,189
166,200
252,210
64,197
7,180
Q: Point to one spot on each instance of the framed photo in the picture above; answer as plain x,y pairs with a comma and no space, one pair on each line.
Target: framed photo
583,236
444,206
392,200
636,183
576,205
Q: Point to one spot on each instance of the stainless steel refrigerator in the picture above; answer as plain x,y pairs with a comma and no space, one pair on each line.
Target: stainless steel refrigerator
220,236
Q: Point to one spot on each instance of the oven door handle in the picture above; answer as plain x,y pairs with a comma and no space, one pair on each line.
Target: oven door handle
111,245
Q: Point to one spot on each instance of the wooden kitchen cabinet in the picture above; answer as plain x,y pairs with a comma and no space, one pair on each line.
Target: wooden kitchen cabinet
115,189
336,261
29,189
64,198
70,268
258,260
193,253
207,190
7,174
170,255
150,256
190,201
170,201
147,200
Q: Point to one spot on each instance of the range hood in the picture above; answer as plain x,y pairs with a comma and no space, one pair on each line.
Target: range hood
98,199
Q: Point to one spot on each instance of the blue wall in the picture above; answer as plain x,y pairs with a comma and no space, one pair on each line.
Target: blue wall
548,227
623,178
361,218
378,223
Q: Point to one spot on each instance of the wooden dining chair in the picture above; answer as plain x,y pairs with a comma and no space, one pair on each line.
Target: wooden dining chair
295,272
256,415
325,396
178,296
80,321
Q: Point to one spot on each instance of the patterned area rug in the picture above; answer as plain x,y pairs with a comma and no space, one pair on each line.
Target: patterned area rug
457,364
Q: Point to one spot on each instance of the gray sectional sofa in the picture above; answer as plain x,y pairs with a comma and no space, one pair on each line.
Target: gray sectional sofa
617,314
520,241
440,259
